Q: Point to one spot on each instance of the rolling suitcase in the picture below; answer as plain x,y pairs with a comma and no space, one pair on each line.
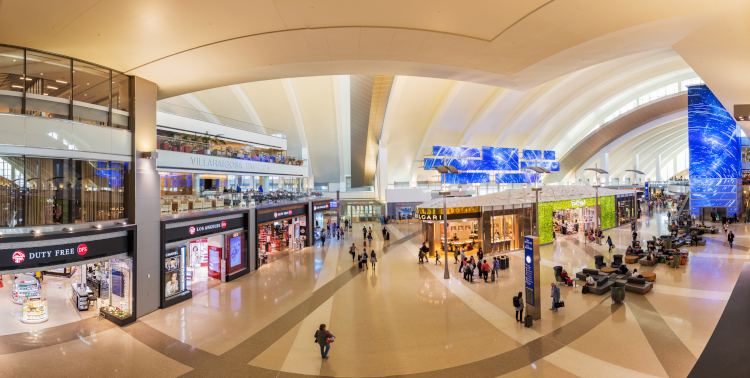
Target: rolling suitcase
360,264
528,321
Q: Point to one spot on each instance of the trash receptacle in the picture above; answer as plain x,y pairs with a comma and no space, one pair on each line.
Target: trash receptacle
503,262
618,294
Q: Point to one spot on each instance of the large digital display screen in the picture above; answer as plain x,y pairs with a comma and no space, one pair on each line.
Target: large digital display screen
532,154
552,166
467,178
235,251
499,159
516,178
715,153
713,137
549,155
465,152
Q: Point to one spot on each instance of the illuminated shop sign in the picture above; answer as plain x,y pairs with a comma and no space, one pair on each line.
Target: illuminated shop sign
61,252
578,202
277,215
321,207
199,229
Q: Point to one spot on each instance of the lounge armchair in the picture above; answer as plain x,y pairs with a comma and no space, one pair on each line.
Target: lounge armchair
616,262
599,262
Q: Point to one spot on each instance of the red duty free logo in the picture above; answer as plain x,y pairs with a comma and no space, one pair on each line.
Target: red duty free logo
82,249
18,257
192,230
223,224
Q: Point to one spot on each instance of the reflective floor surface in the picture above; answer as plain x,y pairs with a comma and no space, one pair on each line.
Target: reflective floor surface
400,318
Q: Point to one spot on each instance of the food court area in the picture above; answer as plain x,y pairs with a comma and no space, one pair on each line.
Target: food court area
212,145
186,192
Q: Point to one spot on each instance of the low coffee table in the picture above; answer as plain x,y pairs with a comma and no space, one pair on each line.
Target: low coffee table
608,270
631,259
649,276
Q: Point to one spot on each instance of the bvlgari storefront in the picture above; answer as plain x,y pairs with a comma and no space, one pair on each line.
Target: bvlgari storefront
463,228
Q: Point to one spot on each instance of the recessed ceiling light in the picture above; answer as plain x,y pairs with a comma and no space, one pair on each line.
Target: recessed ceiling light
51,87
60,81
17,86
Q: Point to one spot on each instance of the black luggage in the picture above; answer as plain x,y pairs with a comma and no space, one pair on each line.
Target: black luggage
360,264
585,289
528,321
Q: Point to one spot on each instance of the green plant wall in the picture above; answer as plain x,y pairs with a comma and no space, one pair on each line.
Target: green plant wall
546,209
545,222
607,206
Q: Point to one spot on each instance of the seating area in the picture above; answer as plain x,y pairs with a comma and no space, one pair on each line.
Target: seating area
605,281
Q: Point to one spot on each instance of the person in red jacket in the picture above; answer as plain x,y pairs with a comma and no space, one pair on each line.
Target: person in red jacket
485,269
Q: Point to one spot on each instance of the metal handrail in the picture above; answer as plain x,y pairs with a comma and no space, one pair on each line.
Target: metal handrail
166,107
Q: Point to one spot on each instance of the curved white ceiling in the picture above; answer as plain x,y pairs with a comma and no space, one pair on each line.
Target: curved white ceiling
423,112
187,46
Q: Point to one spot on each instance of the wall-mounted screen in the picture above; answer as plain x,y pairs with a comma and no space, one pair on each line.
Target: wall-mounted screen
465,152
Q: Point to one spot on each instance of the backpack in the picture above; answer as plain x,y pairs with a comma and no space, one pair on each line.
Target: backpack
516,302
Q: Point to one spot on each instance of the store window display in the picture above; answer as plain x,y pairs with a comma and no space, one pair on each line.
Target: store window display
505,233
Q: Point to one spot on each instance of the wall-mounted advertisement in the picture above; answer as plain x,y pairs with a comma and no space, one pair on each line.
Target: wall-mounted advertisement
235,251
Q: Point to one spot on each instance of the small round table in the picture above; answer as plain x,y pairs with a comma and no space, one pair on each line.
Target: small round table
631,259
649,276
608,270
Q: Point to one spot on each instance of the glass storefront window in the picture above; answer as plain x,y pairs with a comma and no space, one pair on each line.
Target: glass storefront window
11,80
48,85
176,183
90,94
175,273
120,302
40,191
120,101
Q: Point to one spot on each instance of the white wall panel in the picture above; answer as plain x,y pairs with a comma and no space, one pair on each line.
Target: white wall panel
92,138
48,132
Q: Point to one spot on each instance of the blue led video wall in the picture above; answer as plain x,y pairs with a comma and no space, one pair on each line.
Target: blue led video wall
552,166
464,152
538,155
490,159
467,178
714,147
516,178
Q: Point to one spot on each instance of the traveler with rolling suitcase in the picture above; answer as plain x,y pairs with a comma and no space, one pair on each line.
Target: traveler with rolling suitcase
518,304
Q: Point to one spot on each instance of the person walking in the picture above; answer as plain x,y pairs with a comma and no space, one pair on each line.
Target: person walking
384,233
462,266
555,296
322,239
485,270
469,271
456,254
369,238
437,258
726,227
324,339
609,243
463,255
373,258
480,256
364,232
635,235
518,304
730,238
496,265
364,259
351,251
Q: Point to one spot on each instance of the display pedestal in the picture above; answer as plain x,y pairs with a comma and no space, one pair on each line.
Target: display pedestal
117,320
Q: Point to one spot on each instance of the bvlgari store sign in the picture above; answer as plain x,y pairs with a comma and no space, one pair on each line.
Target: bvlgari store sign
436,214
206,163
36,254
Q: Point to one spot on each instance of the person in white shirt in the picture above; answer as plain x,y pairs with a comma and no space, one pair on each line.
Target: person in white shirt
589,280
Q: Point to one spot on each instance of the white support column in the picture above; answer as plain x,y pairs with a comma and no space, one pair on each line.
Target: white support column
605,166
637,167
658,168
382,172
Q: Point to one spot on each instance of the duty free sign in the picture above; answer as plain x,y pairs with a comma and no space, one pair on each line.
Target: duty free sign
61,251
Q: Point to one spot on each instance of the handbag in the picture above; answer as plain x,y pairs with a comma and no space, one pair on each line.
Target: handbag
560,304
330,339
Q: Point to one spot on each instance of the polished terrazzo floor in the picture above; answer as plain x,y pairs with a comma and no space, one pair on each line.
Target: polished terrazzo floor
401,318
